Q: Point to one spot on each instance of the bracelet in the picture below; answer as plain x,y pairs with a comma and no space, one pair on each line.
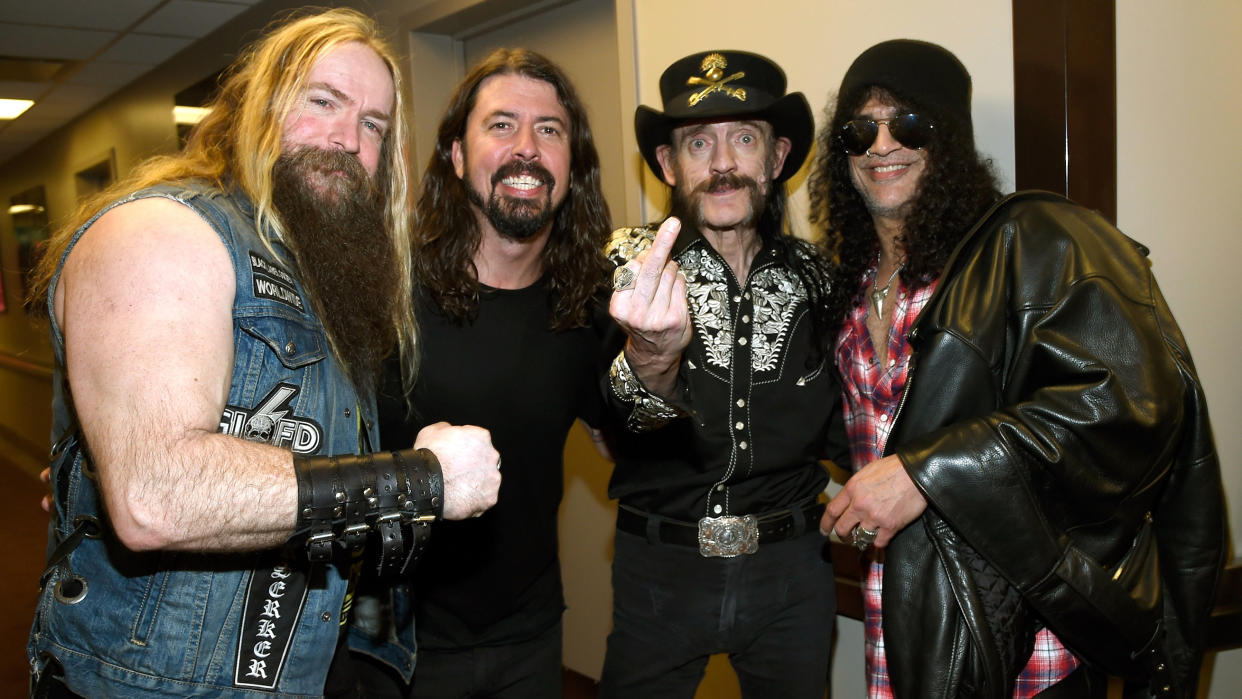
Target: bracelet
346,499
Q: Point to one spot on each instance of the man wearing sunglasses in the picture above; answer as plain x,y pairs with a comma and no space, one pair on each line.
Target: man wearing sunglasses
1017,390
724,399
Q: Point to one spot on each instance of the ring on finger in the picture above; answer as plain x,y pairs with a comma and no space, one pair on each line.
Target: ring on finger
863,537
623,278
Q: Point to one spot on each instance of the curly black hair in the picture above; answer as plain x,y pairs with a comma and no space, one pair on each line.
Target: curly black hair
957,186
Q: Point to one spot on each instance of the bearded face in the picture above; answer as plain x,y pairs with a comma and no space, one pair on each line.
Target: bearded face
514,155
512,217
334,224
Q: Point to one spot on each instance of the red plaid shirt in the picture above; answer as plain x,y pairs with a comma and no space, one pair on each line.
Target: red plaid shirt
872,393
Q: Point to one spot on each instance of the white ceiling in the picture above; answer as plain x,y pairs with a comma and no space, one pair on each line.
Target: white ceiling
68,55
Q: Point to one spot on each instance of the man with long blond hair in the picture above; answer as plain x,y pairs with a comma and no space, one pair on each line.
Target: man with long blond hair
218,320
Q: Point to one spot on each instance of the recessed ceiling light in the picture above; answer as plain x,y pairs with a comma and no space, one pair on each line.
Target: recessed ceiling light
189,115
11,109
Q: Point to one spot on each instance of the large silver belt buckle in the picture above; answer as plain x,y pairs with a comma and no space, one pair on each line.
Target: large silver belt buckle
726,537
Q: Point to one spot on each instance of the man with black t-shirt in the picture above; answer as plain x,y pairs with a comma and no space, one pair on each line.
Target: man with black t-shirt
506,256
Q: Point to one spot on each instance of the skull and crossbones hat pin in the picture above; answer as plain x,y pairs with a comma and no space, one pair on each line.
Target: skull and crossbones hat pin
714,85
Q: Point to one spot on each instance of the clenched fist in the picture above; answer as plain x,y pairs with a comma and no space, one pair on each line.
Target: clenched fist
470,464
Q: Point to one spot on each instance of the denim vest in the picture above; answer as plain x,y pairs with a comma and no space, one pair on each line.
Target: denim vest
165,623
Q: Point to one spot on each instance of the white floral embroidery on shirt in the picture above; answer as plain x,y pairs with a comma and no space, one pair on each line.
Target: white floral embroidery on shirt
777,294
708,293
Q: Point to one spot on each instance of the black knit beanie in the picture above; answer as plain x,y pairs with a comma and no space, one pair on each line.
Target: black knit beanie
924,73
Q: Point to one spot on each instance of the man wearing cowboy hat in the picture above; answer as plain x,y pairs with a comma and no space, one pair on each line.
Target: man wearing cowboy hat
722,397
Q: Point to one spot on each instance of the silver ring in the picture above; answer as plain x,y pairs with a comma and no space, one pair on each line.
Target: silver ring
498,459
623,278
863,537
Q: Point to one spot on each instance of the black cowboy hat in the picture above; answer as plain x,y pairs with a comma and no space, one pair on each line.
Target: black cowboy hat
718,84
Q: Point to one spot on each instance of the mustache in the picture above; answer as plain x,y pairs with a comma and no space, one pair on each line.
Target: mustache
326,160
522,167
726,180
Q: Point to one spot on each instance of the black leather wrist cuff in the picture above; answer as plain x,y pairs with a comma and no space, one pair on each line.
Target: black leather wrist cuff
345,499
421,504
424,492
320,496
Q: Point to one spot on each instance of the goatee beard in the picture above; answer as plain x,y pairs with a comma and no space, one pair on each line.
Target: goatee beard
516,219
686,206
332,212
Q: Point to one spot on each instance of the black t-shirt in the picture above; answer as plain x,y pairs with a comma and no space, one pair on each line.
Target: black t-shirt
496,579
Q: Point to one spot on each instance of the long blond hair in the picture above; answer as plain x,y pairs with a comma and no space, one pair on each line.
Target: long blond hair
238,142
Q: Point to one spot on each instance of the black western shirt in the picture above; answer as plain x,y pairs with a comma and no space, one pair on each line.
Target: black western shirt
752,414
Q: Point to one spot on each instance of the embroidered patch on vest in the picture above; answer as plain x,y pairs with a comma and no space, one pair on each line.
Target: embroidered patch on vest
271,422
272,282
274,602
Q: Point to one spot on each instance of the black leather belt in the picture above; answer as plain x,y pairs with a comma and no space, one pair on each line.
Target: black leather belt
773,526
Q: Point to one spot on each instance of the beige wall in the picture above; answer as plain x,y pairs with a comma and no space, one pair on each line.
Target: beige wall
133,128
1176,193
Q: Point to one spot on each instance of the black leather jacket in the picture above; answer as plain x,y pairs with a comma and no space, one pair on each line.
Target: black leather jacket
1055,423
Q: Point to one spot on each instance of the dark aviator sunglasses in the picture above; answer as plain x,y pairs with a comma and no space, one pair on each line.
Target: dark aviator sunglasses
911,130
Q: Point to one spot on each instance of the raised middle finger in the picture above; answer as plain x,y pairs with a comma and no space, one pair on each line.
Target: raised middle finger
653,260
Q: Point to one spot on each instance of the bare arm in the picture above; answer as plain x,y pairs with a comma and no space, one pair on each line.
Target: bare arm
145,302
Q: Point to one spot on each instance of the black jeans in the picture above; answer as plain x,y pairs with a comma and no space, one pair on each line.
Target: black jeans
771,611
525,670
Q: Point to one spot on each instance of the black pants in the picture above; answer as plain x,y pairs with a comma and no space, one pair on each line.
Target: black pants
771,611
526,670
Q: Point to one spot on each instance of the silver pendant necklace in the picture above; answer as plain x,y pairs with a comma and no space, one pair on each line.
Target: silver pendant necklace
878,294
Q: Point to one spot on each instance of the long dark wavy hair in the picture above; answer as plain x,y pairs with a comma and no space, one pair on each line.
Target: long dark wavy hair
957,186
804,259
446,235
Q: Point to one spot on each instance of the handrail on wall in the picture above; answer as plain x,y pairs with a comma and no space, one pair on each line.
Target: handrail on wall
21,366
